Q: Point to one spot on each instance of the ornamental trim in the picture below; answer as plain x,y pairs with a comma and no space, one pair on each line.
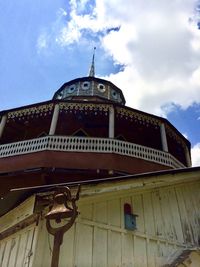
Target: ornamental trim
84,106
30,111
136,115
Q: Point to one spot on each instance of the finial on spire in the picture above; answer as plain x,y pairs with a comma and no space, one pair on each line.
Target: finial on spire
92,67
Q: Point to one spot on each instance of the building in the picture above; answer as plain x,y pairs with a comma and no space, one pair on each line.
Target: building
139,200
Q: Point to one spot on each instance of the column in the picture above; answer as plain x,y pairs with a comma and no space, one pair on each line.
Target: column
187,157
111,122
54,120
2,124
163,137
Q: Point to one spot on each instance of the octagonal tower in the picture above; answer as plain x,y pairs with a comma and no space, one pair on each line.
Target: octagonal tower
85,132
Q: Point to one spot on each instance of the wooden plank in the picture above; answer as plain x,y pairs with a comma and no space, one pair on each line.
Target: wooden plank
33,246
151,253
23,246
100,212
100,247
137,204
195,196
190,206
6,259
175,216
14,251
86,211
44,246
2,252
18,249
140,256
167,216
184,217
83,246
168,251
114,249
114,212
161,254
148,214
194,190
127,250
67,249
18,214
159,220
29,252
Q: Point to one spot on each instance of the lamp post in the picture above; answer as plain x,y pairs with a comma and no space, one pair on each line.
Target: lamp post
64,206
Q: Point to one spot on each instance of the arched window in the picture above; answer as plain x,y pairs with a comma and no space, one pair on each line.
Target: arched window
80,132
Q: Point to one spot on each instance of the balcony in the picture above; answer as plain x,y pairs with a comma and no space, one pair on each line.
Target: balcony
91,145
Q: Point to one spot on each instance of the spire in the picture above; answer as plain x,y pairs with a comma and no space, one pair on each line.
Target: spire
92,67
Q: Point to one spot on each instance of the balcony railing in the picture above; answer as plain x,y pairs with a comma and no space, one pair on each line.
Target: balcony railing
86,144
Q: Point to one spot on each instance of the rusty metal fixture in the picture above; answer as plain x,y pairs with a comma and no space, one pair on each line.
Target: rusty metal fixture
64,206
60,209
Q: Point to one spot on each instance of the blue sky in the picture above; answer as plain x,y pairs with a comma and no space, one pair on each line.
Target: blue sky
153,59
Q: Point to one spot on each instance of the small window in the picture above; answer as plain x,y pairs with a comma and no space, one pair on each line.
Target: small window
85,85
114,94
43,134
121,138
71,89
101,87
80,133
60,95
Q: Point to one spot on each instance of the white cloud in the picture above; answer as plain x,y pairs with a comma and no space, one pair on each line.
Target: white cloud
54,34
42,42
185,135
195,152
68,35
162,65
157,42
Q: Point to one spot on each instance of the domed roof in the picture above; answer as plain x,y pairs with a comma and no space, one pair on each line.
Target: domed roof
87,87
90,88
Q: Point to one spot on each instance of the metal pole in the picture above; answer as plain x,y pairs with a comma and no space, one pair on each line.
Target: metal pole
56,214
58,238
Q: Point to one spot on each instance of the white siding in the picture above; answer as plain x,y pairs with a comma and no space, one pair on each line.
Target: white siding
168,221
18,249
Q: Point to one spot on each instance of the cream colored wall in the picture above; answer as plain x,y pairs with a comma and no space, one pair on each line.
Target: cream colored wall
17,250
168,220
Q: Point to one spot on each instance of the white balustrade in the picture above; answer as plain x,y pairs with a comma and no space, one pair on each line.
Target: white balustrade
86,144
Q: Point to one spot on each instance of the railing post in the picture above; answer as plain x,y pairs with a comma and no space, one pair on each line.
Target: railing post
54,120
163,138
111,133
2,124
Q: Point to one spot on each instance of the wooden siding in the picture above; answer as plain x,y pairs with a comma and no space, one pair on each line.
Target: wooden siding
18,214
17,250
168,221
